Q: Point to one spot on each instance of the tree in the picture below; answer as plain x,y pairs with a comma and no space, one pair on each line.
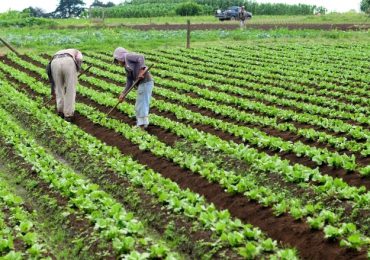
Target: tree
188,8
98,3
365,6
69,8
320,10
109,4
34,12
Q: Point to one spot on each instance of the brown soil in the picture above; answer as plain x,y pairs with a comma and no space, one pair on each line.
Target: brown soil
204,62
230,26
285,229
145,204
352,178
311,244
19,244
297,124
76,225
148,206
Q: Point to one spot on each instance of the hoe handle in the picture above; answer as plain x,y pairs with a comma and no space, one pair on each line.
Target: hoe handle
125,93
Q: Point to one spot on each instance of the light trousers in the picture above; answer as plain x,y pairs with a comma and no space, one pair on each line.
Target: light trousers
144,94
65,77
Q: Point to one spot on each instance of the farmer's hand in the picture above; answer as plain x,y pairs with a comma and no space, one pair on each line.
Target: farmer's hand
121,97
141,74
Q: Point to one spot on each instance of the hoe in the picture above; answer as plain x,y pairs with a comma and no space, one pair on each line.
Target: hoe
125,92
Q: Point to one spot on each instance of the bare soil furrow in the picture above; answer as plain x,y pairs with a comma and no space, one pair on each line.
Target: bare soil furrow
311,245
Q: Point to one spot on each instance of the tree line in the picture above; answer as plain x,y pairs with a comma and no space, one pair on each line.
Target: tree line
152,8
155,8
67,9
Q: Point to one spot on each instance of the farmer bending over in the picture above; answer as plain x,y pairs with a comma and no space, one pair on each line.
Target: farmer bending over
64,68
134,65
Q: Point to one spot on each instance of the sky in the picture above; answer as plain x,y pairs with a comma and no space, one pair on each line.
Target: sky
50,5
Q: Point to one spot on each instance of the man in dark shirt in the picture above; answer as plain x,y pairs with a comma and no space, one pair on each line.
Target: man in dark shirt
134,65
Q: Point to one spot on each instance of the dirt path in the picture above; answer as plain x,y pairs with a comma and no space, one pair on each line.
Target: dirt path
230,26
344,27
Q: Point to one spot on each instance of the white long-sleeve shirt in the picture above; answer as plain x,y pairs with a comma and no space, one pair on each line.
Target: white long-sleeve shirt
76,54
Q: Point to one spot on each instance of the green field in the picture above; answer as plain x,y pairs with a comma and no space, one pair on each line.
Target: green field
241,128
335,18
258,145
42,39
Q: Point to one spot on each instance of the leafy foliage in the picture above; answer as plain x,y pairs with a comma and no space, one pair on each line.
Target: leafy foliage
188,70
365,6
69,8
151,8
170,194
98,3
188,8
22,19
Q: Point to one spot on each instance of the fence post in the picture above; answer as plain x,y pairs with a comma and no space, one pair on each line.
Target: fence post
188,36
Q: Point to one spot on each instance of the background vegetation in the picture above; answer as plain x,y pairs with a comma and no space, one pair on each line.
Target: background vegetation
152,8
22,19
52,34
365,6
42,40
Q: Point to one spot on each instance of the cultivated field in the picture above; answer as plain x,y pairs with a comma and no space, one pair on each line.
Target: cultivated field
258,151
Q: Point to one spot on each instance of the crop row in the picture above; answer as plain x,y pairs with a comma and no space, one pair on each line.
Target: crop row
317,68
250,135
334,125
251,75
280,69
212,78
18,237
273,73
336,52
100,97
240,116
347,62
115,224
228,179
194,206
339,143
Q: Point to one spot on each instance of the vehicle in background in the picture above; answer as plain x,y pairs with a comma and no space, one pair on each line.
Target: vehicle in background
230,13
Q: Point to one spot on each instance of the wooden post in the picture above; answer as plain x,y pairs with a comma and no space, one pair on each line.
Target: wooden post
10,47
188,36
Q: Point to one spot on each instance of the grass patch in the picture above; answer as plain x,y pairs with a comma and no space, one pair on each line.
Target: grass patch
335,18
106,39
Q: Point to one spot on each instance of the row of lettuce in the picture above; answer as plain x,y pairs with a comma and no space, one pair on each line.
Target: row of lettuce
250,135
192,83
18,237
316,215
171,89
249,73
338,143
121,228
108,216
